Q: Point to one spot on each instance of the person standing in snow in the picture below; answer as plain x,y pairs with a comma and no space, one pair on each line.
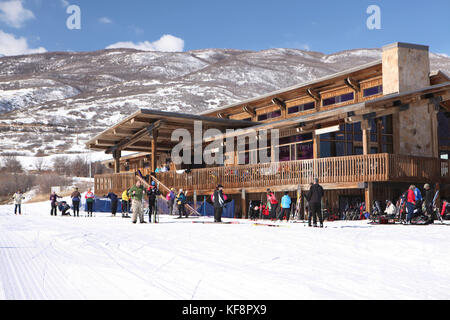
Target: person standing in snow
272,204
125,204
285,207
76,199
114,201
314,198
170,200
410,204
18,198
181,201
428,198
54,204
219,203
137,193
152,193
90,199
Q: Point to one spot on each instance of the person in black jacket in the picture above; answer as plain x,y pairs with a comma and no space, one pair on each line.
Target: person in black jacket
428,198
314,198
114,202
219,203
152,193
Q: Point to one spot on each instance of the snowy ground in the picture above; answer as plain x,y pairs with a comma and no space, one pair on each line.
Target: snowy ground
43,257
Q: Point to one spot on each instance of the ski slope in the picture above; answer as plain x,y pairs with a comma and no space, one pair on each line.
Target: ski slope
43,257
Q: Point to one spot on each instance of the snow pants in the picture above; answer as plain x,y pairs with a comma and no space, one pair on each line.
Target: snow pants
284,213
54,210
218,214
76,208
137,211
18,207
114,207
315,210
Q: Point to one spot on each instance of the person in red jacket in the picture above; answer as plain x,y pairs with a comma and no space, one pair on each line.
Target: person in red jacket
410,203
273,204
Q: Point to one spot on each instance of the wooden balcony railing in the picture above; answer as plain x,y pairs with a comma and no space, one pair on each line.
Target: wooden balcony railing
352,169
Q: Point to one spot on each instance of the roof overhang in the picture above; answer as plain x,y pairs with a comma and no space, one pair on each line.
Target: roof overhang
386,105
134,133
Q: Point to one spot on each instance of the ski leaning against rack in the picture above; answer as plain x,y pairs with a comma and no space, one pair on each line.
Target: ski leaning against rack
436,210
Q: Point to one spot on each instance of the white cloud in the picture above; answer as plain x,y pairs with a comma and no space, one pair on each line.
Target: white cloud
14,14
12,46
105,20
167,43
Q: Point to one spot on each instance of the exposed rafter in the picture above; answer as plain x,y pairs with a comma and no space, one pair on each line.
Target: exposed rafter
250,111
279,102
129,141
353,84
313,94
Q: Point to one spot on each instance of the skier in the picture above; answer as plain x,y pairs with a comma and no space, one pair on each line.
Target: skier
152,193
285,207
219,203
170,200
410,204
429,197
18,197
272,204
53,202
76,198
391,209
114,201
419,198
137,193
314,197
90,199
125,204
181,201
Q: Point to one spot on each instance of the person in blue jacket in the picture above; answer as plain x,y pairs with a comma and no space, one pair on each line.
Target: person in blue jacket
286,203
419,198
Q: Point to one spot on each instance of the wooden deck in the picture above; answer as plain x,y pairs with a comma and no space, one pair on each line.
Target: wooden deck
334,173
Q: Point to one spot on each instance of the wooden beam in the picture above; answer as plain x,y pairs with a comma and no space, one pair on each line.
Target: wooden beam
353,84
135,138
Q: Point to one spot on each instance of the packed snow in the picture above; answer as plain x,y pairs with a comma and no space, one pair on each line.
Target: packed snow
43,257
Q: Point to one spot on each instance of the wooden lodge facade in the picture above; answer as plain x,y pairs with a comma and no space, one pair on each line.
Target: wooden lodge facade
367,133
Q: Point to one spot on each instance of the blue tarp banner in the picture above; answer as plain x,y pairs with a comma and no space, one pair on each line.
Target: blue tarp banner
104,205
207,210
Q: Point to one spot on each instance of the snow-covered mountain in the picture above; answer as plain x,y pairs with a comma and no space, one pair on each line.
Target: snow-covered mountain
54,102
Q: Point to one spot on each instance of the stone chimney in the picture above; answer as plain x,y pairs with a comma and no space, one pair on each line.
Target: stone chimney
406,67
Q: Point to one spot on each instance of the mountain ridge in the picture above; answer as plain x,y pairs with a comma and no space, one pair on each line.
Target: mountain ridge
54,102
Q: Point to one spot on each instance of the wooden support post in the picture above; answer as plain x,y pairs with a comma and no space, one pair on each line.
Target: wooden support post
369,196
365,126
244,204
117,155
195,200
316,146
154,150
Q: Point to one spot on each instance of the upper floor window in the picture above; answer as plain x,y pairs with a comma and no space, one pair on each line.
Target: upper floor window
269,116
373,91
339,99
301,108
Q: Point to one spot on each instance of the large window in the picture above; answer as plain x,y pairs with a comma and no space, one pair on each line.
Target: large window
269,115
298,147
349,139
301,108
444,134
338,99
372,91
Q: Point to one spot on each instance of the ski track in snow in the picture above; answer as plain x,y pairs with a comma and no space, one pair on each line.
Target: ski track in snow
43,257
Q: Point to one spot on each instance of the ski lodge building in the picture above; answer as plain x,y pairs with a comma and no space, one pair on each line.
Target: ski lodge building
367,133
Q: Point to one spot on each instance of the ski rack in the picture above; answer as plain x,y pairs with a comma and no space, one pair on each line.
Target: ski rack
191,211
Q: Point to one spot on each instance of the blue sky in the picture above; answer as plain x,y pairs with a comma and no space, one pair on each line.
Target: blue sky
28,26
